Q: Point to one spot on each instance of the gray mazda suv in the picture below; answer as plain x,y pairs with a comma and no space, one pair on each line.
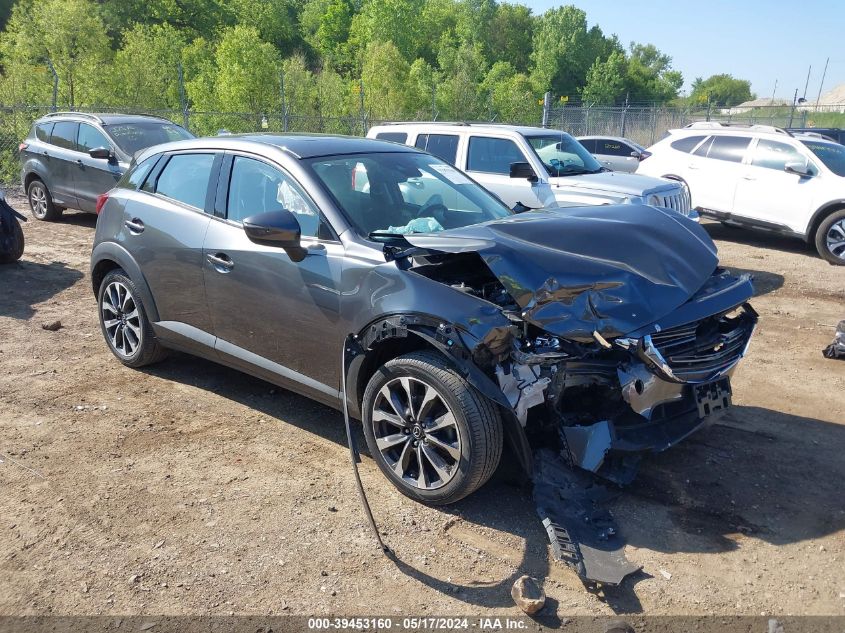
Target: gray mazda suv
69,158
373,276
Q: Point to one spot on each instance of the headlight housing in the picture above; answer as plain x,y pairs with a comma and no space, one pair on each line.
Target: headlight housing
654,200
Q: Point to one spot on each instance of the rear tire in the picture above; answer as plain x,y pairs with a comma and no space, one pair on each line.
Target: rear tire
124,322
11,242
41,202
430,432
830,238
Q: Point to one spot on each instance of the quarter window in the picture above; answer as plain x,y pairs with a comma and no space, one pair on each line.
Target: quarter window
492,155
444,146
393,137
42,131
774,155
687,144
185,178
90,138
256,187
729,148
64,134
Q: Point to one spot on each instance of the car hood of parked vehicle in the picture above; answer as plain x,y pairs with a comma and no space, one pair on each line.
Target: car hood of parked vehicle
609,269
614,182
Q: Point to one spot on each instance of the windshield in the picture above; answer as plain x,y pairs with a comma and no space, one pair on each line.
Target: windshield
386,195
132,137
562,155
831,154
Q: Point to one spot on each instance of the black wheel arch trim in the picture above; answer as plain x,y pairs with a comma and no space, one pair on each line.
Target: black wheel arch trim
819,216
109,251
444,338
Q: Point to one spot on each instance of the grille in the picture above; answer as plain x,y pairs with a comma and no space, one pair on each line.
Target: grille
702,350
679,201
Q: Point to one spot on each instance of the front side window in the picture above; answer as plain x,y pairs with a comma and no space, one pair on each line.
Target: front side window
133,137
614,148
562,155
64,135
185,178
90,138
404,193
492,155
444,146
774,155
831,154
729,148
257,187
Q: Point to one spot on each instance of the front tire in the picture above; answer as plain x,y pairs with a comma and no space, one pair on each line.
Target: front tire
41,202
430,432
124,322
830,238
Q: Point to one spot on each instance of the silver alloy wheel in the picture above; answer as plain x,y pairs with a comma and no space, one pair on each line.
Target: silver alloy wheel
835,239
38,200
416,433
121,319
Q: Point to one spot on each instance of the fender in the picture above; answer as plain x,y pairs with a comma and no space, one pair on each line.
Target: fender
442,337
828,207
114,252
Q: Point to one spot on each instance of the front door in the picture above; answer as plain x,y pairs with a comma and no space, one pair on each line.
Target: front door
769,194
271,315
488,161
93,176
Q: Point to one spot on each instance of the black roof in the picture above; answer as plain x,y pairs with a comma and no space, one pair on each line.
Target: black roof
315,145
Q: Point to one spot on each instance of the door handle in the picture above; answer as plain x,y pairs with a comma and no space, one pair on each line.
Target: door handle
221,261
692,166
134,225
79,162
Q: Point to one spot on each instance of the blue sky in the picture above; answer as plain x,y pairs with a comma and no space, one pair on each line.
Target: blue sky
751,39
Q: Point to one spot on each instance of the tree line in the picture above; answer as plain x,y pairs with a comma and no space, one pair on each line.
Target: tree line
460,59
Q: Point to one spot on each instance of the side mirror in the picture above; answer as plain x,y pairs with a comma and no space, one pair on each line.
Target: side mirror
100,152
800,168
523,170
276,228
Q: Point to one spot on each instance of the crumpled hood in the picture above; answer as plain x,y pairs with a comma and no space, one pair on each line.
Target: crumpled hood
613,182
612,269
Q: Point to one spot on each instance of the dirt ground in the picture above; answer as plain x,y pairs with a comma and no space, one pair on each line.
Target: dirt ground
189,488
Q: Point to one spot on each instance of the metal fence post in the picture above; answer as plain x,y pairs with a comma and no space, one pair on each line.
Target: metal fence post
284,104
547,106
362,112
183,100
624,116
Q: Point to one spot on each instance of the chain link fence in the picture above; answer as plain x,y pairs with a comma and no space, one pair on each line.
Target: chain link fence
643,124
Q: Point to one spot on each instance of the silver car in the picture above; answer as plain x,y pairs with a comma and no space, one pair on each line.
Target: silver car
615,152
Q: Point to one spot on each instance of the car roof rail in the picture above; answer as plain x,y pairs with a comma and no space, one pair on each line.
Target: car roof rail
721,125
462,123
84,115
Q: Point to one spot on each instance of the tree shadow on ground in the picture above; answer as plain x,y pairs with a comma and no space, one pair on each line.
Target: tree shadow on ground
745,476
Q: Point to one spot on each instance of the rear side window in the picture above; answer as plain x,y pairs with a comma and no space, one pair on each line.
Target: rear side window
686,144
90,138
393,137
42,131
728,148
492,155
589,144
444,146
64,134
185,178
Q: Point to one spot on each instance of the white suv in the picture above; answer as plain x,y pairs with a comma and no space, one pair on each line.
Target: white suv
760,177
534,167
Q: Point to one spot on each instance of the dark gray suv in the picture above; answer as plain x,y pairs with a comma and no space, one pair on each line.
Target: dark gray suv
70,158
454,327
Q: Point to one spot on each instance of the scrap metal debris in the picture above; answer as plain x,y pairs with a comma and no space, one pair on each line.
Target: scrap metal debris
837,348
582,531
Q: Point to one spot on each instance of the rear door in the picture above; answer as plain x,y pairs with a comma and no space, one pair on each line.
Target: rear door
164,228
271,315
61,163
716,167
488,161
93,176
767,193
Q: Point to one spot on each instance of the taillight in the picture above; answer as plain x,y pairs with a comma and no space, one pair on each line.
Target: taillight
22,146
644,155
101,201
